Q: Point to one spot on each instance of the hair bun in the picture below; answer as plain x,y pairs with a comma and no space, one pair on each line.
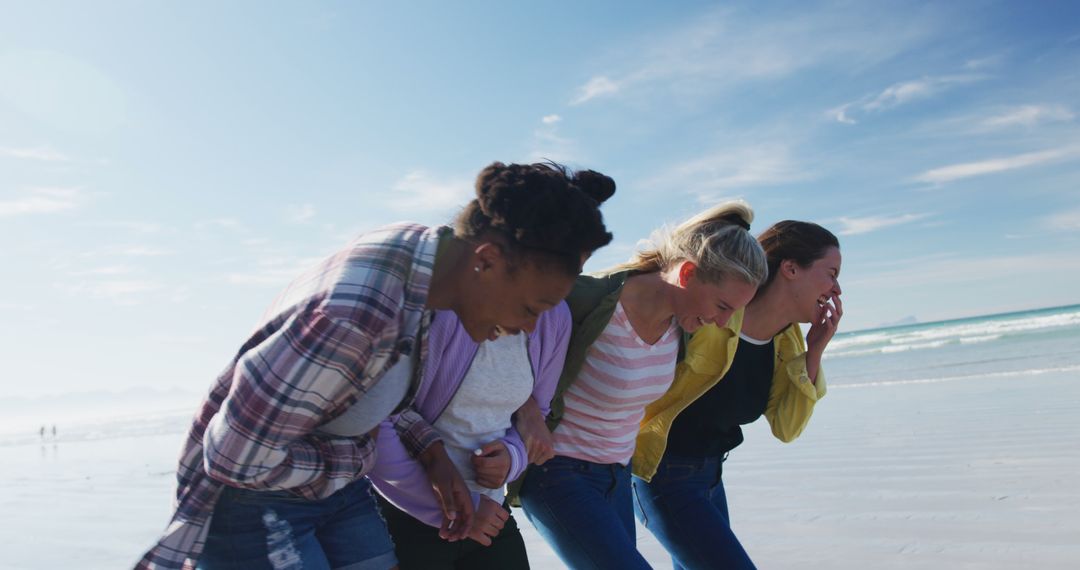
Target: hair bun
595,185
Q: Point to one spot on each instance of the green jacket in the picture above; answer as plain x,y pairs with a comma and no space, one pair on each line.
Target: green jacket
592,303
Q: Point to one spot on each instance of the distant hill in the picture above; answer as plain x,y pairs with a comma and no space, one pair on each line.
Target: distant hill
908,320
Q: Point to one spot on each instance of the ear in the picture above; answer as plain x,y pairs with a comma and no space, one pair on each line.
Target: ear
488,256
789,268
686,272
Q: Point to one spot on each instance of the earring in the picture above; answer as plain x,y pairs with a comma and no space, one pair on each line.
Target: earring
476,269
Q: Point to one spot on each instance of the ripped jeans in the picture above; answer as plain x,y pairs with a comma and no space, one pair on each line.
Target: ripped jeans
276,530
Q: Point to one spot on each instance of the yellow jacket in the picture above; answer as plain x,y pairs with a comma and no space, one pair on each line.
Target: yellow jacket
708,357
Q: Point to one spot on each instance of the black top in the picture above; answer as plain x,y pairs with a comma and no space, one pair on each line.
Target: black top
709,427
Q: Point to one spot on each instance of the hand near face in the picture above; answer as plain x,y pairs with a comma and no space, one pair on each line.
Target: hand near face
492,464
450,490
534,432
824,325
489,520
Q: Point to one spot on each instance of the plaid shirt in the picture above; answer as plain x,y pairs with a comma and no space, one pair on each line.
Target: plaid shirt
326,340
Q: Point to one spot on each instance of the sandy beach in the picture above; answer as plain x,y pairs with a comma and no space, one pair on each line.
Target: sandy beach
975,472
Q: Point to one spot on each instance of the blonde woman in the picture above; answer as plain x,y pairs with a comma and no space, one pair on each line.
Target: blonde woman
627,335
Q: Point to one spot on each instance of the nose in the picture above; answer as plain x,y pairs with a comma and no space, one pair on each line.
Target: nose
836,288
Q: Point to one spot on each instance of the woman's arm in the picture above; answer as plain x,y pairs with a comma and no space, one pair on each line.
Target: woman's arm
263,436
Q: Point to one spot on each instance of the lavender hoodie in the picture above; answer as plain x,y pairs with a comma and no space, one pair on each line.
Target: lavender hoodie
397,475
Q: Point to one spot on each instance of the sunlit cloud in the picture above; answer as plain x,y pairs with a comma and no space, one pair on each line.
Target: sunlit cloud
1029,116
598,86
1064,221
716,175
419,191
548,144
134,226
117,291
962,269
863,225
273,271
899,94
220,223
550,119
301,214
127,251
42,201
37,153
992,166
726,48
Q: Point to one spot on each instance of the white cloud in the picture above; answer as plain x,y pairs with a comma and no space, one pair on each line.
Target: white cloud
105,270
118,291
711,176
301,214
961,269
726,48
899,94
1064,221
42,201
220,223
1028,116
140,227
596,87
127,251
850,226
551,119
39,153
994,165
418,191
273,270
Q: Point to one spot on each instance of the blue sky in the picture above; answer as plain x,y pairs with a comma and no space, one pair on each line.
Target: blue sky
165,168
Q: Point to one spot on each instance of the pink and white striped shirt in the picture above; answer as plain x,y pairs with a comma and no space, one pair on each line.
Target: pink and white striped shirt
621,375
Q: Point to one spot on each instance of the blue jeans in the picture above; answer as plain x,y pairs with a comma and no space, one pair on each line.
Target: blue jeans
685,508
585,512
276,530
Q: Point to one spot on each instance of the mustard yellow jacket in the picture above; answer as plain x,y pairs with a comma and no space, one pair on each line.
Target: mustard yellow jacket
708,356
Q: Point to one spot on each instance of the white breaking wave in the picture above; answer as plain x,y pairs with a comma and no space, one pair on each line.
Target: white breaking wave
931,336
982,376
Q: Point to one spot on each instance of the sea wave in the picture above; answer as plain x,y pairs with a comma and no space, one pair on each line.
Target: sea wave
959,378
935,335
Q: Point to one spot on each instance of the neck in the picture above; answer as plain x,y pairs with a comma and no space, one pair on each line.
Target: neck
767,314
450,265
649,297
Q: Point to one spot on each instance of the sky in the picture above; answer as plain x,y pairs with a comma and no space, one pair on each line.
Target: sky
167,167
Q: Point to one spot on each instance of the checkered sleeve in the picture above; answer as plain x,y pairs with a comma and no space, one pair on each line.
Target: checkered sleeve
263,436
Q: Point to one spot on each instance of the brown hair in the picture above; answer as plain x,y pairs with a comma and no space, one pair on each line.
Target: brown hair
802,242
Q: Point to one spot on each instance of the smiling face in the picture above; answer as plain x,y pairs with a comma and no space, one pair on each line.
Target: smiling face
698,303
815,285
512,299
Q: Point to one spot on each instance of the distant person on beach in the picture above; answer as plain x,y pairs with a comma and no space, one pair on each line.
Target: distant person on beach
628,330
272,473
42,433
686,435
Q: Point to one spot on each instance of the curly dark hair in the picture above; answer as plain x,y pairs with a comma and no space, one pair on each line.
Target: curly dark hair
542,211
802,242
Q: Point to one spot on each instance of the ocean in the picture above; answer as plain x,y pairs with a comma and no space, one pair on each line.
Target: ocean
1028,343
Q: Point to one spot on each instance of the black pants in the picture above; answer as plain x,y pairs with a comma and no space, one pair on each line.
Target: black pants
418,546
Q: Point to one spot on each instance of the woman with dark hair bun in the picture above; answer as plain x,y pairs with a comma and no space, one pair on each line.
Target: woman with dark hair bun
756,364
469,394
272,473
